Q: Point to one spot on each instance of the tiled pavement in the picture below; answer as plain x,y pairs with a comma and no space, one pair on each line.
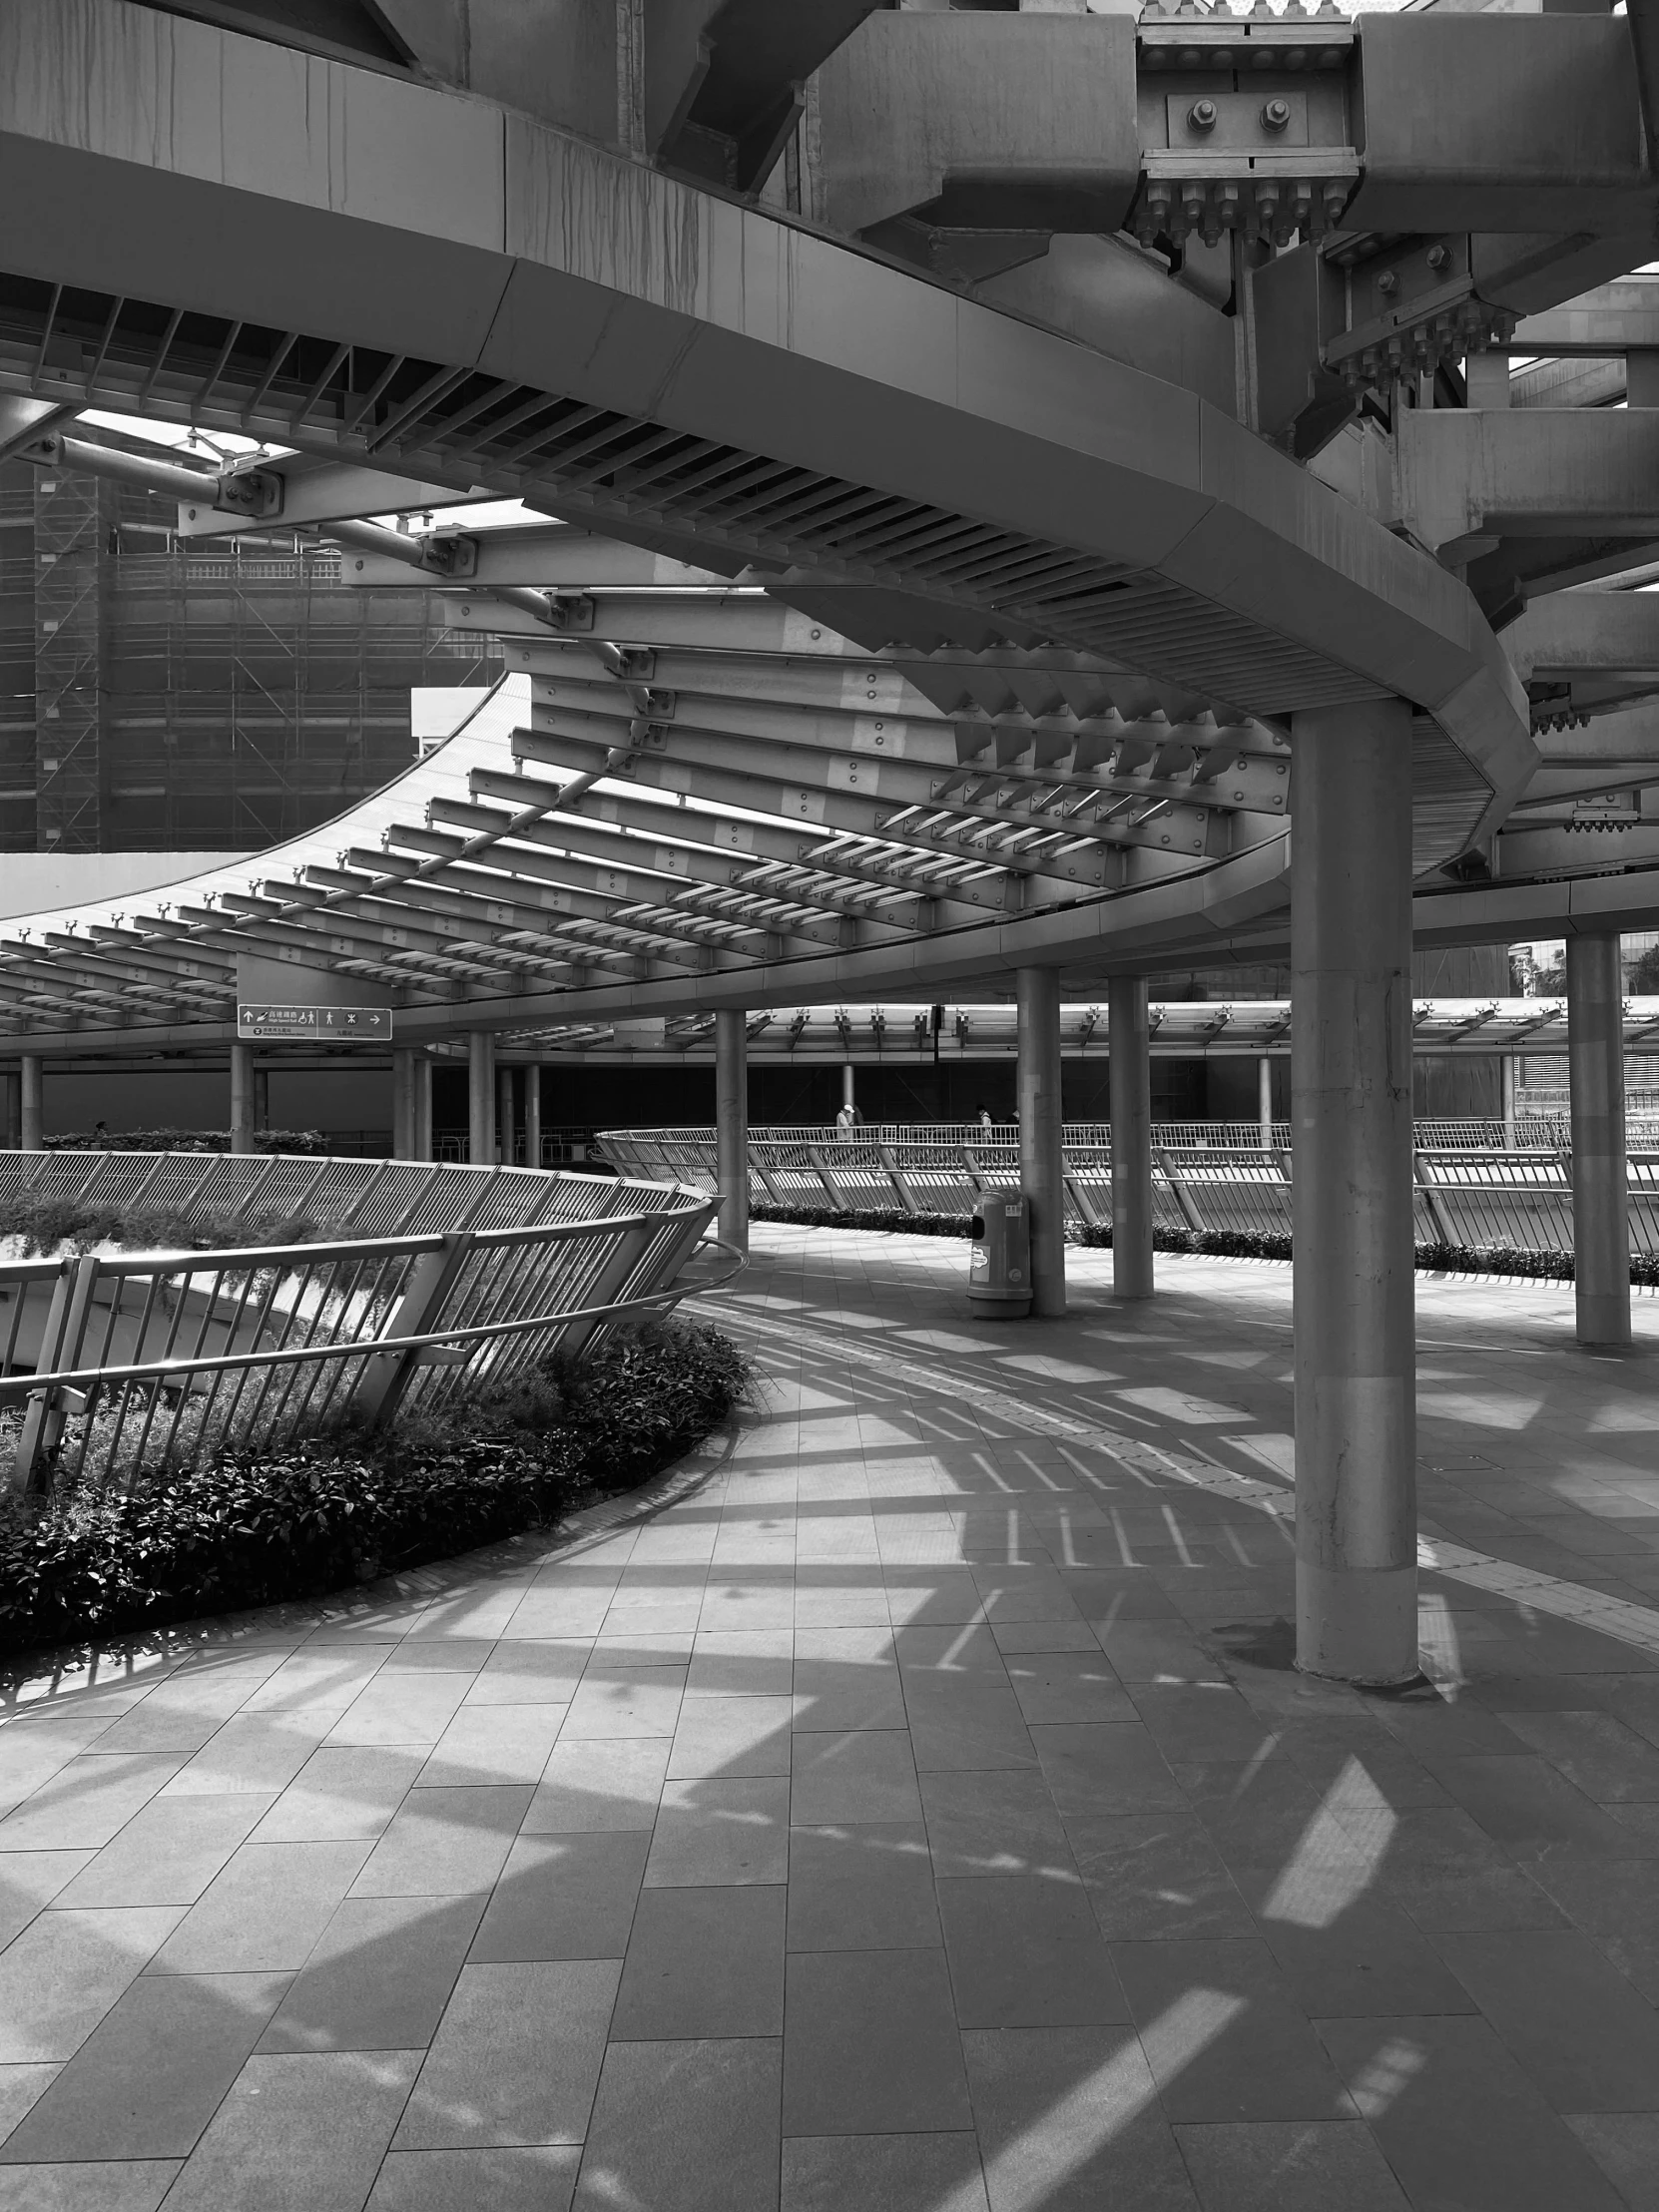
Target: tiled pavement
918,1815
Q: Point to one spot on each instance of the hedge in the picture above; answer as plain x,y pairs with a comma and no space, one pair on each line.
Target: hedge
253,1531
1229,1243
46,1223
307,1142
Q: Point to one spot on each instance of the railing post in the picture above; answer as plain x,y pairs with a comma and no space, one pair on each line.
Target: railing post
386,1377
60,1344
609,1285
1431,1204
838,1197
1183,1196
906,1195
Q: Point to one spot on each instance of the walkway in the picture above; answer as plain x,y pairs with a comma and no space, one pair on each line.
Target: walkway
920,1815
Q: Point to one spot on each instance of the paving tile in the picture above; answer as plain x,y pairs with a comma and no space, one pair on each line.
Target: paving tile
1029,1636
405,1705
1586,2038
971,1649
732,1736
999,1823
264,1912
528,1671
564,1896
871,2044
858,1775
1199,1721
538,2180
298,2129
834,1693
704,1962
517,2057
960,1723
869,1887
1288,2166
1068,2121
1114,1768
1069,1686
494,1744
616,1701
614,1785
1368,1959
1224,2038
319,1678
442,1842
137,2185
691,2125
883,2173
150,2078
720,1832
169,1851
1459,2122
741,1663
1535,1813
63,1973
1152,1875
89,1800
1599,1755
341,1794
1451,1875
28,1880
1153,1650
1024,1952
22,2086
379,1977
250,1752
1625,2145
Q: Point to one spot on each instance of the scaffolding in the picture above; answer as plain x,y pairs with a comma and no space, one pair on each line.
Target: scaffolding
201,695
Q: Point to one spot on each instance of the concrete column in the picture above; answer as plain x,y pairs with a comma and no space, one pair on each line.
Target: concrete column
262,1097
1355,1357
30,1116
505,1118
480,1097
732,1123
1129,1099
1041,1164
532,1115
1264,1100
1595,1074
241,1098
402,1103
848,1097
8,1112
1507,1068
421,1149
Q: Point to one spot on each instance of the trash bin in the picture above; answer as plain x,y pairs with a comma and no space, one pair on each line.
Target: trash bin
999,1274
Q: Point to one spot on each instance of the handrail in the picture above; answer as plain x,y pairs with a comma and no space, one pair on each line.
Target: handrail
116,1364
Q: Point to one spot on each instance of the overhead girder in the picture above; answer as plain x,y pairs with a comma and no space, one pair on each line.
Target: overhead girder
687,862
1109,550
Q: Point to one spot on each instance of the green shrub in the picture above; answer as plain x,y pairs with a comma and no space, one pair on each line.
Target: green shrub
892,1217
290,1141
248,1531
45,1224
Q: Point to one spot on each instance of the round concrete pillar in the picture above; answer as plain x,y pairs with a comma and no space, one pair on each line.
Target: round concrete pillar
422,1146
1041,1161
241,1098
31,1103
732,1123
1601,1201
480,1097
402,1103
1129,1099
506,1119
532,1115
1356,1368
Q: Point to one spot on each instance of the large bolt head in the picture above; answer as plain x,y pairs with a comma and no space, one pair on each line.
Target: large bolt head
1202,114
1275,115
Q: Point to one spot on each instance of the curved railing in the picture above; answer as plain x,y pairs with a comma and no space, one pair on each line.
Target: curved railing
421,1285
1469,1195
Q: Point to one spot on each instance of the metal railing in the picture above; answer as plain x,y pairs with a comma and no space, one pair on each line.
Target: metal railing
431,1284
1469,1195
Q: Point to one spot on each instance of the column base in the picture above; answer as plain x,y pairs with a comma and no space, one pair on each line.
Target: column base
1603,1319
1357,1626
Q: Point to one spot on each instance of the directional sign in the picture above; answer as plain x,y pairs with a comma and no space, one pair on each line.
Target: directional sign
314,1024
